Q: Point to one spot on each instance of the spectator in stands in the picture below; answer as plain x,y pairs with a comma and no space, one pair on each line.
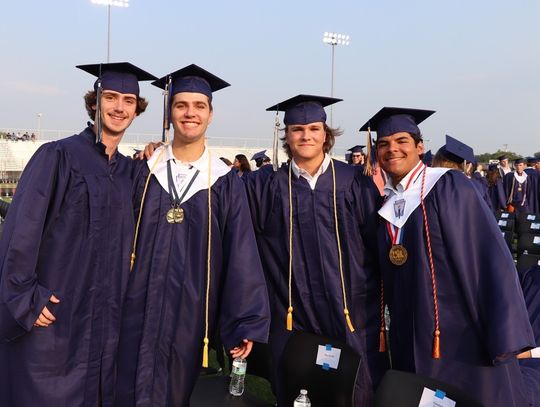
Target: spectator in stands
65,252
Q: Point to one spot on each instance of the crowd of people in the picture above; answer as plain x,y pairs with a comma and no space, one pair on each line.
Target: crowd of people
118,274
19,137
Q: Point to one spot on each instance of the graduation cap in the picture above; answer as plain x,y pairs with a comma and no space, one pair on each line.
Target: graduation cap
261,155
493,167
532,160
456,151
390,120
502,157
121,77
428,158
519,160
191,78
304,109
356,149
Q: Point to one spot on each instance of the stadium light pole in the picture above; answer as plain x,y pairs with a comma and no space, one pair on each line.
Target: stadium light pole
334,39
109,3
39,115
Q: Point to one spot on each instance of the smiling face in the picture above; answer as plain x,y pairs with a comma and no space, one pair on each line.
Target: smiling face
306,141
398,154
190,115
117,112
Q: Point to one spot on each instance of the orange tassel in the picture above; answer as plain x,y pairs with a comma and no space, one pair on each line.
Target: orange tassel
132,261
382,340
289,318
436,345
205,353
348,318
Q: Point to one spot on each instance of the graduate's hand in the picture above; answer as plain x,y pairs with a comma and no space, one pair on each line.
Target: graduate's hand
243,350
46,318
524,355
150,148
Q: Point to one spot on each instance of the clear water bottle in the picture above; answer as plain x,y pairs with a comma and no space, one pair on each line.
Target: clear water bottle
238,374
302,400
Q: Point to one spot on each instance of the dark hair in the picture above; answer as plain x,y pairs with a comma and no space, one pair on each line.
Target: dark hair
441,160
244,163
492,176
331,135
90,100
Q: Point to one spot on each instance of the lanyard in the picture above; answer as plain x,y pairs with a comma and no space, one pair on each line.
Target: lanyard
173,193
395,233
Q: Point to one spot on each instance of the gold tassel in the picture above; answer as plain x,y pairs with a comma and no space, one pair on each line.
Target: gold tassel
348,318
436,345
205,353
132,261
382,340
289,318
368,169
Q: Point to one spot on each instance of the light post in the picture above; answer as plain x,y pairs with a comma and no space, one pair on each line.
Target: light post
334,39
109,3
39,125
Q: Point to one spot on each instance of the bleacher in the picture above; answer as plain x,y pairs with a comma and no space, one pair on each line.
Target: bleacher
522,235
16,154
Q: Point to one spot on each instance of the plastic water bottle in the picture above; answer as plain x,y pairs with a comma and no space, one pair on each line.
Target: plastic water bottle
302,400
238,374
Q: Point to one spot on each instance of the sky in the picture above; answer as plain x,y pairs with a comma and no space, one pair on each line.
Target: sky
476,62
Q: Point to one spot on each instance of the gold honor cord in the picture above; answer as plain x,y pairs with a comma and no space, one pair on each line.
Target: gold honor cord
338,241
340,257
290,309
208,264
132,261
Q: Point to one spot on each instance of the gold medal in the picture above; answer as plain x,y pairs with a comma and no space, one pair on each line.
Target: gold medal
175,215
398,255
178,215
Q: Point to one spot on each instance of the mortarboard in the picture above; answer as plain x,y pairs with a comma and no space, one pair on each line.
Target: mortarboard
121,77
502,157
532,160
492,167
261,155
428,158
519,160
191,78
304,109
356,149
456,151
390,120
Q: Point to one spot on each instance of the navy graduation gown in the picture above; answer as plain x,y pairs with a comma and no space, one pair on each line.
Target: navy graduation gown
67,233
316,286
497,196
524,200
480,184
482,313
161,343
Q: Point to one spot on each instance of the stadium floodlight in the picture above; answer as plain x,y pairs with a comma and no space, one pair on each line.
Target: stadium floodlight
334,39
109,3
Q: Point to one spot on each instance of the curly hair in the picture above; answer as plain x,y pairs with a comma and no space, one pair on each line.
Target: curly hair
90,100
331,134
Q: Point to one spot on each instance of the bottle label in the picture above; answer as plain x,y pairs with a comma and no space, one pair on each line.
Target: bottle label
238,369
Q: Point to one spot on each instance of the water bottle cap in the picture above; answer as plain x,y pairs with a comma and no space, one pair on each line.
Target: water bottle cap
303,391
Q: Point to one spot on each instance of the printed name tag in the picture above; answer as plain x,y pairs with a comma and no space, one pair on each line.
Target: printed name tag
436,398
328,357
531,217
504,215
535,226
536,240
502,223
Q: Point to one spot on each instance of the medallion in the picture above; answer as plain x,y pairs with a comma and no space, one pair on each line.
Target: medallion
175,215
398,255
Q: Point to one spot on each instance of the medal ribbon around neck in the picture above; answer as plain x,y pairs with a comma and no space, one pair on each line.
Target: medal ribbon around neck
398,253
175,199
